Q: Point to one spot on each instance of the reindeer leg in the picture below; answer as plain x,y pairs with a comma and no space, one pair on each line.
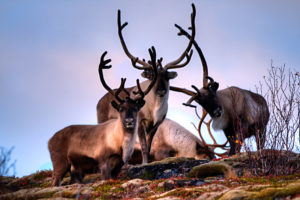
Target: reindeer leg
60,168
143,141
230,135
105,170
115,163
152,132
76,175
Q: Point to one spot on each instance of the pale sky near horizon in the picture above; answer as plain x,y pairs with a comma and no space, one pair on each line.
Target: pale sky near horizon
49,55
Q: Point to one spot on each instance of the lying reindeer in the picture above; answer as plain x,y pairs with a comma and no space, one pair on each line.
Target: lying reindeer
239,113
104,147
155,110
173,140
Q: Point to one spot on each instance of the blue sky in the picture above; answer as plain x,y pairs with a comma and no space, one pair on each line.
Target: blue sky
49,54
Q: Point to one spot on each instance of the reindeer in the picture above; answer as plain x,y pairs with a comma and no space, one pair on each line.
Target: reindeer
104,147
173,140
154,112
234,110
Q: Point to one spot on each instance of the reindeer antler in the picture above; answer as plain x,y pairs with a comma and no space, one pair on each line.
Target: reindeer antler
103,65
153,64
175,64
201,55
215,144
135,59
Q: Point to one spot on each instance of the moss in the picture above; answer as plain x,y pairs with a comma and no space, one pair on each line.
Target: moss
212,169
237,194
40,175
271,193
275,181
171,160
67,194
184,193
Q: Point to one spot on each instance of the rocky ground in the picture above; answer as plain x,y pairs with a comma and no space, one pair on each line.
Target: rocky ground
172,178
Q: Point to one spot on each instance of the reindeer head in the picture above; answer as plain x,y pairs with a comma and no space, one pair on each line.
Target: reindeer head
161,86
207,95
207,98
128,108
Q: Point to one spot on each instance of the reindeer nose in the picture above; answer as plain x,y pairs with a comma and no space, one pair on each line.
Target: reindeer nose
161,93
129,120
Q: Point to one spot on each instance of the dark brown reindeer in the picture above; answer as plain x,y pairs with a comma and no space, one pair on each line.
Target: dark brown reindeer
239,113
155,110
104,147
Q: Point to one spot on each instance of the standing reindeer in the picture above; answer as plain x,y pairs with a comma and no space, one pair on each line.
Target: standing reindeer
155,110
234,110
104,147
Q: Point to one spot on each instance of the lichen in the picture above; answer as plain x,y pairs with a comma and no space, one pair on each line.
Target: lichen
212,169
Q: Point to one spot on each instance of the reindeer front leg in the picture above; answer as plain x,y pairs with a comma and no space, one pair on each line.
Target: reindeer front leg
152,132
104,170
230,135
142,131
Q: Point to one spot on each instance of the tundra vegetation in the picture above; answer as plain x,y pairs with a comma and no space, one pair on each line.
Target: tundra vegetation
281,89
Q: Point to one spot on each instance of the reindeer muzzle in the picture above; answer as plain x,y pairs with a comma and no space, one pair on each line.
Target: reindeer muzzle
218,112
161,93
129,123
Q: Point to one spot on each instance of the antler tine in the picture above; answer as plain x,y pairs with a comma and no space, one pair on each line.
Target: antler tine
134,63
183,90
211,80
120,89
120,28
188,58
215,145
204,113
174,63
195,88
188,103
103,65
152,53
140,91
159,61
203,61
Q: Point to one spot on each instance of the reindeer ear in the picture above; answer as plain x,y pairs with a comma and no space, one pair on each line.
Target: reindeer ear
115,105
147,74
140,103
215,86
172,75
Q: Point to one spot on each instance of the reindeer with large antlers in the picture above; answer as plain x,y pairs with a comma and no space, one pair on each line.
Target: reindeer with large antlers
155,110
239,113
104,147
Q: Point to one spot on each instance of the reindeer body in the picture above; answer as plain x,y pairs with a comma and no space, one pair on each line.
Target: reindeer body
244,114
239,113
151,114
104,147
173,140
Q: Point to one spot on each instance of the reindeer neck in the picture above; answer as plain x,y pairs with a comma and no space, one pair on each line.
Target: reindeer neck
156,107
127,139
